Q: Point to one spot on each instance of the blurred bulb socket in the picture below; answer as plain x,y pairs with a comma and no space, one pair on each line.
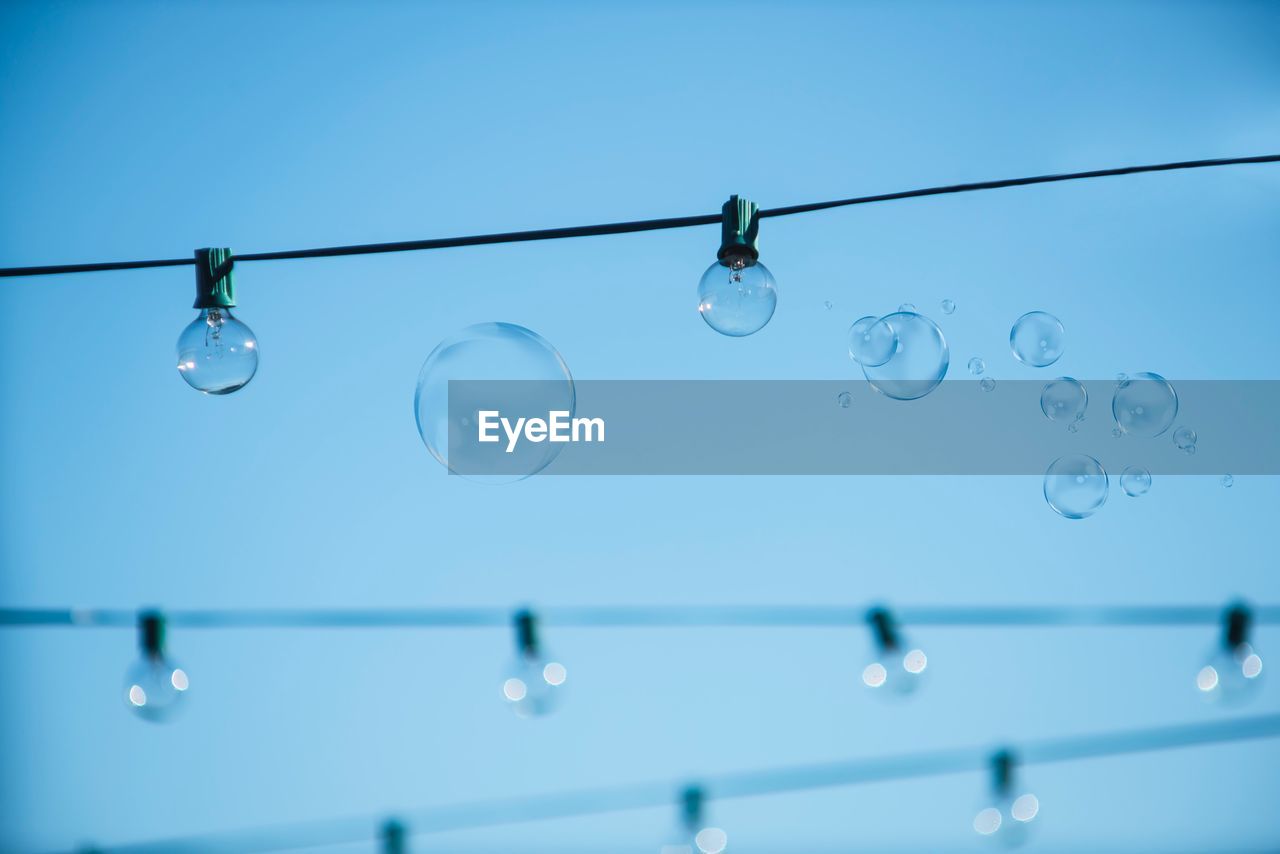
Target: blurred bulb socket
151,633
526,626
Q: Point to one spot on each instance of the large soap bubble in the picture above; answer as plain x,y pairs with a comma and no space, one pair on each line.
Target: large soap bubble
1064,400
1036,339
919,362
1075,486
1144,405
520,374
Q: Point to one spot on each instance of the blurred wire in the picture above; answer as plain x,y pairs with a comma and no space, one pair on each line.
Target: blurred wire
487,813
705,616
635,226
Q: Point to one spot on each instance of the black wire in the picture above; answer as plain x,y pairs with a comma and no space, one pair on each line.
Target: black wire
630,227
662,616
773,781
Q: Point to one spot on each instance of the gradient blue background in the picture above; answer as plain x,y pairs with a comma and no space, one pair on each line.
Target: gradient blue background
147,129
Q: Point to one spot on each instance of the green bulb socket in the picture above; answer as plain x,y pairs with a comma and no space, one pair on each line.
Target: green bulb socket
214,285
151,633
739,230
884,628
526,626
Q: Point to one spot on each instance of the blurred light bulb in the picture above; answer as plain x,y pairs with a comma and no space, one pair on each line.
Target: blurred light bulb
897,667
533,685
737,296
1005,815
217,354
535,681
1230,675
154,685
1007,819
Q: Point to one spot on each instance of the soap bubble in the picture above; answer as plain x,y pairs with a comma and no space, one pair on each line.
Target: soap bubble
919,362
872,341
907,306
1135,481
528,378
1116,432
827,305
1064,400
1228,481
977,366
948,306
1075,486
987,384
1145,405
844,399
1185,439
1036,339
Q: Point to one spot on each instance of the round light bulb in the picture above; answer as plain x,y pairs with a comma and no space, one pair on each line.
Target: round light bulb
1007,819
737,296
154,687
533,685
896,671
1230,675
217,354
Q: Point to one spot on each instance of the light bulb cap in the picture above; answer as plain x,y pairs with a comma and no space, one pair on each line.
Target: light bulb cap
215,287
739,230
884,629
151,633
393,837
1236,622
692,800
1002,764
526,626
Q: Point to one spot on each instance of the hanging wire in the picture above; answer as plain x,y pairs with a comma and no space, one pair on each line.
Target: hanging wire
638,225
774,781
660,616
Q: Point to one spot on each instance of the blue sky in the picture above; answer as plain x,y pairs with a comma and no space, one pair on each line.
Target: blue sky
148,129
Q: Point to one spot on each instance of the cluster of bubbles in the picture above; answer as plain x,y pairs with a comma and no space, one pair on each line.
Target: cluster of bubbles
903,355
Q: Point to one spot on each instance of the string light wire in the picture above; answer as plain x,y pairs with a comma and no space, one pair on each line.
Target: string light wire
774,781
661,616
635,226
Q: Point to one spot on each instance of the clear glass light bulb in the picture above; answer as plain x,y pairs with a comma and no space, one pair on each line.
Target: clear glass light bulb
1007,819
896,671
533,685
1230,675
217,354
154,687
737,296
708,840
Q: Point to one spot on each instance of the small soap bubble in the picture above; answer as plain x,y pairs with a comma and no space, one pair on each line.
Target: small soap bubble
987,384
1116,432
1075,486
1144,405
1037,339
1074,426
1135,481
872,341
827,305
948,306
907,306
1228,481
844,399
1184,438
977,366
1064,400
